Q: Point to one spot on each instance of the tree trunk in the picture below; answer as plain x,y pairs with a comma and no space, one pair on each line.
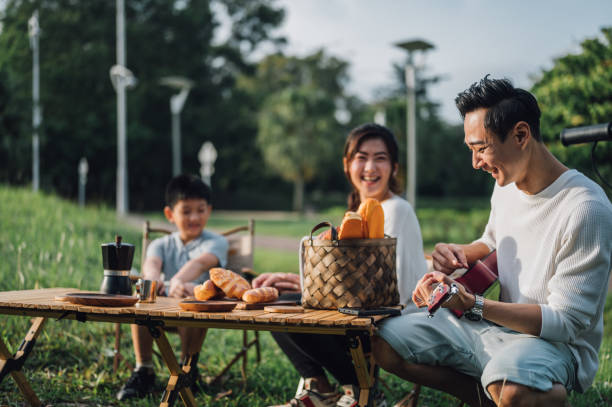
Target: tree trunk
298,194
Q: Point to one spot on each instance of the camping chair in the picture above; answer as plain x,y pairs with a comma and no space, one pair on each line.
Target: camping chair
239,259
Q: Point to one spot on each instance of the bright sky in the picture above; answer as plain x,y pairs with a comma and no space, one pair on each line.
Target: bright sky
513,39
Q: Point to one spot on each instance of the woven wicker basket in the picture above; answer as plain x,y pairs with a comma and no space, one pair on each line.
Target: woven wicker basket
356,273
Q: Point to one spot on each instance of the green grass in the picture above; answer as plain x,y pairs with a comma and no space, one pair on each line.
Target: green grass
47,242
269,261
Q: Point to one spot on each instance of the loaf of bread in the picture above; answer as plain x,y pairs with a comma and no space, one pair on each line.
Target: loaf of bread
373,219
206,291
231,283
327,235
351,227
261,294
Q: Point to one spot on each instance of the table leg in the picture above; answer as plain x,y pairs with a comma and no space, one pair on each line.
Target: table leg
178,377
12,363
365,376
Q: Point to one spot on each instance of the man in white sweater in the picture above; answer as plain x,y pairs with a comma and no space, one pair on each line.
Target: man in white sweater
552,229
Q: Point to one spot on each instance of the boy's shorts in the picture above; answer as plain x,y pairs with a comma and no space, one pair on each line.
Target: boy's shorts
481,350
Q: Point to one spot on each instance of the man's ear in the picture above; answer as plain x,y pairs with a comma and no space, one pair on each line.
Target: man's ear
522,133
345,164
168,214
395,167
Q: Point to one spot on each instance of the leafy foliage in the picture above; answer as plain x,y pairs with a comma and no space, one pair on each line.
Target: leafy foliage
577,91
77,48
298,133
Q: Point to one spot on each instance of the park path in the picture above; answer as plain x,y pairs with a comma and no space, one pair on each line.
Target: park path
283,243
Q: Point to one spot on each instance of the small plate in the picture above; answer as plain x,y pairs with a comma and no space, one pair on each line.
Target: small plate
262,305
101,299
210,306
285,309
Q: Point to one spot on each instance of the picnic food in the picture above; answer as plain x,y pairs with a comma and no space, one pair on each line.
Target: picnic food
373,219
261,294
327,234
351,227
206,291
231,283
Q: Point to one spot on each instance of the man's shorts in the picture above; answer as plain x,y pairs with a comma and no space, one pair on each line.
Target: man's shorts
481,350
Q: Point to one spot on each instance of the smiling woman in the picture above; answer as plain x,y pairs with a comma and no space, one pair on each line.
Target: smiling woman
370,164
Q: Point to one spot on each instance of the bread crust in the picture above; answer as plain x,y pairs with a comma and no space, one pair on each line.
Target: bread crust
373,219
351,227
231,283
206,291
261,294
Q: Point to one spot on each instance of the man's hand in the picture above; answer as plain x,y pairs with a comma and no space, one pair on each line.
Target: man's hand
448,257
463,300
283,282
179,288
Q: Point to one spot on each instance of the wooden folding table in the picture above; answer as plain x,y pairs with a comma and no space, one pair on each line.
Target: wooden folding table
42,304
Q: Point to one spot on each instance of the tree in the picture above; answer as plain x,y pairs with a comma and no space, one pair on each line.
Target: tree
299,135
443,162
577,91
79,108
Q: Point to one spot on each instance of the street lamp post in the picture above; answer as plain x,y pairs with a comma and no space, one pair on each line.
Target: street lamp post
83,170
207,157
34,34
411,144
122,79
177,101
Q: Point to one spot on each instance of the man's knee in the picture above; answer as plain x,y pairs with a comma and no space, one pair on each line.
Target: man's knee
508,394
385,356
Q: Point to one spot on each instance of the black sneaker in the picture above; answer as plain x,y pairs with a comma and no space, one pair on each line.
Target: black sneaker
140,383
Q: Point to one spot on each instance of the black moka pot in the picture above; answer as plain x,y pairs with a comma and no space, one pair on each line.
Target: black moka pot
117,260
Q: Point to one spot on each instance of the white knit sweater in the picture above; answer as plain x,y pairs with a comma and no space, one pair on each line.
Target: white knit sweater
555,249
401,223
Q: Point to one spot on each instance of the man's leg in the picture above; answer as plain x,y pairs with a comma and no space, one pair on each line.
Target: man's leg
529,371
441,378
511,394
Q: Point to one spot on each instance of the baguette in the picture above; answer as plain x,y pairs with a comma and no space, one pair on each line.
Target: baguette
261,294
206,291
351,227
231,283
373,219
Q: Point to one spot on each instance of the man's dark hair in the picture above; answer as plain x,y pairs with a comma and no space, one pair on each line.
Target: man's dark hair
506,106
186,187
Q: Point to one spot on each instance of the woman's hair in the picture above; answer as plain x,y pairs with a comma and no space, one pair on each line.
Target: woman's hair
354,140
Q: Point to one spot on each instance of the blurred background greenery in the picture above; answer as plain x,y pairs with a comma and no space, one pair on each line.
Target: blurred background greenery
273,117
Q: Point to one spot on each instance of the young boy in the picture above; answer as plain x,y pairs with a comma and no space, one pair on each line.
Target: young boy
184,257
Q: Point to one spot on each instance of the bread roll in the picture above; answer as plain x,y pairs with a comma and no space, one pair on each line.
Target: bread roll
327,234
206,291
373,219
351,227
231,283
261,294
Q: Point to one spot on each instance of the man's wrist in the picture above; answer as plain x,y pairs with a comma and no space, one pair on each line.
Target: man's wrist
471,301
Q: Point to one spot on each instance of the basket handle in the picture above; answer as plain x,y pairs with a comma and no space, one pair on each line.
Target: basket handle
334,233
